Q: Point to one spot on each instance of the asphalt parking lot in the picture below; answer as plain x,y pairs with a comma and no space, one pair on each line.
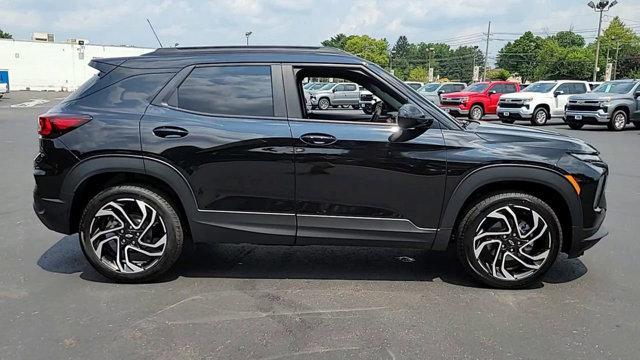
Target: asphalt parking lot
253,302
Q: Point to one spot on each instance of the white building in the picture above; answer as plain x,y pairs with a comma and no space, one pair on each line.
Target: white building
37,65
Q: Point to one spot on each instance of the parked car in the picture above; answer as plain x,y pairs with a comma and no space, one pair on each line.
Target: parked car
433,91
478,99
317,86
308,86
613,103
190,156
415,85
339,94
367,100
4,88
539,101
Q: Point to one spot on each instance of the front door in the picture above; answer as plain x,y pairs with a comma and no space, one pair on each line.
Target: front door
224,129
355,186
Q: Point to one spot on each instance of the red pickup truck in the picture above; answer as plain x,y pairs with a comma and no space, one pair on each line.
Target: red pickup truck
478,99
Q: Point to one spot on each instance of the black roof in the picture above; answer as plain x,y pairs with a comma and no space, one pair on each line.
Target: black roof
183,56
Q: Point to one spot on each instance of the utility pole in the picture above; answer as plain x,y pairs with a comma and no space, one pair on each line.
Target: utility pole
600,7
615,67
486,53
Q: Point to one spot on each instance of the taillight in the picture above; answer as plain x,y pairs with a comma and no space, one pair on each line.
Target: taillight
51,126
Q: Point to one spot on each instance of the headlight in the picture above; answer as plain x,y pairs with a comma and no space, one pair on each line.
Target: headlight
527,100
464,99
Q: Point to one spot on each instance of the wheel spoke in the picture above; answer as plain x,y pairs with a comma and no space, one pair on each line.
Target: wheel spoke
138,229
512,242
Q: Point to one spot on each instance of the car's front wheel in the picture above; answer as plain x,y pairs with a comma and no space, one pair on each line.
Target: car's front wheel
509,240
618,121
130,233
324,104
540,117
476,112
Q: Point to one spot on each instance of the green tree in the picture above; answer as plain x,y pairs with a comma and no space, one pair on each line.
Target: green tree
556,62
401,54
521,56
618,36
498,74
339,41
568,39
459,64
4,35
418,74
368,48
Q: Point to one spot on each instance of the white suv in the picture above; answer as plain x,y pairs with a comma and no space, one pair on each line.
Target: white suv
539,101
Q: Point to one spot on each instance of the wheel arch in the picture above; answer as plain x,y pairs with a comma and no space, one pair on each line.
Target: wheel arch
544,106
93,175
625,108
545,183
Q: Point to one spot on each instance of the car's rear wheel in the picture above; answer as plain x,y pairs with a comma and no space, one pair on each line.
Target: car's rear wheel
476,112
575,125
130,233
618,121
323,104
509,240
540,117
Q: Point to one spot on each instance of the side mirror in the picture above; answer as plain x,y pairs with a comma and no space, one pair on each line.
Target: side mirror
334,90
637,94
410,117
558,93
491,92
440,92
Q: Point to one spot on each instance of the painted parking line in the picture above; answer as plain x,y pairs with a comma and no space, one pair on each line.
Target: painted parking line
30,103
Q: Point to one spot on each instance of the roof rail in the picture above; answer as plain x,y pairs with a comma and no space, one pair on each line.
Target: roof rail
213,49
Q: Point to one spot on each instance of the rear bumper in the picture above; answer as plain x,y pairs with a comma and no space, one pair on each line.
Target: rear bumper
53,213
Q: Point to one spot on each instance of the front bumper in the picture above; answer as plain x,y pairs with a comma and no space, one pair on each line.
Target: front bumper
514,113
588,239
455,111
586,117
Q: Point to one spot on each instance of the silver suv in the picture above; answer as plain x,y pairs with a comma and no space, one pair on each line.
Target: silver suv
336,95
432,91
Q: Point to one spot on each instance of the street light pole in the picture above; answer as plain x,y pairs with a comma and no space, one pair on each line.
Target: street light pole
600,7
247,34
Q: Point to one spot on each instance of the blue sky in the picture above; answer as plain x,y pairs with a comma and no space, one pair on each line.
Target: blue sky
299,22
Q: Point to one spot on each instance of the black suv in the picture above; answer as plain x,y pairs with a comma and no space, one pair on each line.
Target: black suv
216,144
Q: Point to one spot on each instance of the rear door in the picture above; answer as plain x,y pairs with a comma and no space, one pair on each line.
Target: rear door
567,89
498,90
352,94
224,129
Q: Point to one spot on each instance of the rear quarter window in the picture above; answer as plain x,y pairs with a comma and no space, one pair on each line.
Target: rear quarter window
132,93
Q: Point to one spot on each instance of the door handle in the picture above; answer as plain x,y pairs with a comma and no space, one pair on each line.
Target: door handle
318,139
170,132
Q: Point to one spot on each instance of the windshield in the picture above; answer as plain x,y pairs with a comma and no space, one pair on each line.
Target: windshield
477,87
429,88
615,87
317,86
327,86
414,86
540,87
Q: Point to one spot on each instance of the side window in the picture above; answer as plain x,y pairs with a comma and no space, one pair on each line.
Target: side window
565,88
579,88
350,87
458,87
227,90
447,88
498,88
509,88
339,88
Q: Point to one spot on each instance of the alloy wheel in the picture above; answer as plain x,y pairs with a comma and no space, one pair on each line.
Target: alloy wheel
476,113
127,235
512,243
619,121
541,117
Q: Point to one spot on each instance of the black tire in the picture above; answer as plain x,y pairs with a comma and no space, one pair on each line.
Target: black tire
474,218
324,104
355,107
476,112
618,120
540,116
165,212
508,121
368,109
575,125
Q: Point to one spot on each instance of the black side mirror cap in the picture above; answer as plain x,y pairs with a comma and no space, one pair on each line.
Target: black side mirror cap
558,93
440,92
491,92
410,117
